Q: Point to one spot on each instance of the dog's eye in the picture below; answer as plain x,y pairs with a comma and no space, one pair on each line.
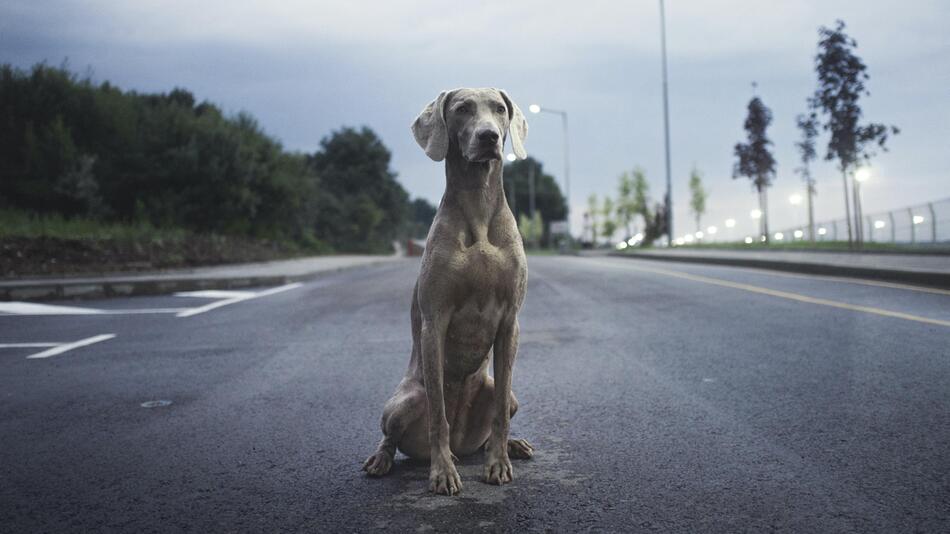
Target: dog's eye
461,109
500,109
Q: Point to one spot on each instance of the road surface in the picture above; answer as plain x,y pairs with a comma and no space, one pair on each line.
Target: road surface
660,397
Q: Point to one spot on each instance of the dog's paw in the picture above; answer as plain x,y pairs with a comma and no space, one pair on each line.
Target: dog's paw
520,449
378,464
498,470
444,478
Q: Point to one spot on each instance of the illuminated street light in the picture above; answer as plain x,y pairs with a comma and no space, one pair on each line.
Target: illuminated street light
511,157
779,236
822,231
679,241
730,223
699,234
748,240
918,219
535,108
862,174
712,230
621,245
798,234
879,224
755,214
795,199
688,238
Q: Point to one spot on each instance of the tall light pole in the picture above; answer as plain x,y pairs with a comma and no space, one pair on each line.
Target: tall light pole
666,132
534,108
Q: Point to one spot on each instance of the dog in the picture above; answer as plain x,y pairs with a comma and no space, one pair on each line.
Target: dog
465,302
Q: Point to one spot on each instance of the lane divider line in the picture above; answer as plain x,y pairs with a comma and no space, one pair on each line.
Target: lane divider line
66,347
785,294
241,298
844,279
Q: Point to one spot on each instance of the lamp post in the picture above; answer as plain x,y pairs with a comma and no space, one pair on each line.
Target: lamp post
535,108
666,132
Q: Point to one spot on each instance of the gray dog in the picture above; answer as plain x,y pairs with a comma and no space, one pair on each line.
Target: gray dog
466,300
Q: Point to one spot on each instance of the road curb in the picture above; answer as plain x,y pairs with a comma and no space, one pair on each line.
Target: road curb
131,285
935,279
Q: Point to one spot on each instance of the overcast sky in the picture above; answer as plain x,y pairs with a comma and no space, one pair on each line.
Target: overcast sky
305,68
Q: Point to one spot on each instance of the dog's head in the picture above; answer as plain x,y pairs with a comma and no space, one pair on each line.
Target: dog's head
476,121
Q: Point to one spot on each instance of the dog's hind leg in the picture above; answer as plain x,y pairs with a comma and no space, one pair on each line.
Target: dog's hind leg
403,418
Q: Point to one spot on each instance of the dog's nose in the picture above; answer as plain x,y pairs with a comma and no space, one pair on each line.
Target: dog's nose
487,136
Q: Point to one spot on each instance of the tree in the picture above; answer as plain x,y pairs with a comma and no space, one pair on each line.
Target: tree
593,217
609,224
548,198
697,196
656,224
421,214
625,211
841,84
641,194
754,160
353,166
530,227
806,151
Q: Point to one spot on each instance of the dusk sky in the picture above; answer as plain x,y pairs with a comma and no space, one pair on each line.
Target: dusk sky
305,68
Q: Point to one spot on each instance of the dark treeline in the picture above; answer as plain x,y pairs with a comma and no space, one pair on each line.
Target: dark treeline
71,147
549,201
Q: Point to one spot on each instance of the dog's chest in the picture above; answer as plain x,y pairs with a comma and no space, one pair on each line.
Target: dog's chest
487,272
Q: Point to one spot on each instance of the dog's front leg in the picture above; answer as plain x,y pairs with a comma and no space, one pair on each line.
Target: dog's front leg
498,466
443,477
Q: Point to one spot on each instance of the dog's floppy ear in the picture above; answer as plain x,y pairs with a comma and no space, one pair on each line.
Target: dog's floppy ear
517,125
429,128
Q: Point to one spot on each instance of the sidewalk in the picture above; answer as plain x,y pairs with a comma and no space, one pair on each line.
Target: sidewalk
170,281
920,269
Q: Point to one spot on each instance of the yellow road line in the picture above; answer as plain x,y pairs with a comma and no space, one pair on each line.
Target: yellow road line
845,279
784,294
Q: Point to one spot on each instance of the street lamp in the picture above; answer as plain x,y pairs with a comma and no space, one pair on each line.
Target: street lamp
666,129
511,157
795,199
755,214
535,108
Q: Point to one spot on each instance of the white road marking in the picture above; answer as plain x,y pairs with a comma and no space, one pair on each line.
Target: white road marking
215,294
65,347
228,297
32,308
233,300
27,345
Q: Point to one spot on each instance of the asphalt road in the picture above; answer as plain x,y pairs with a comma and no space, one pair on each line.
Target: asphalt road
660,397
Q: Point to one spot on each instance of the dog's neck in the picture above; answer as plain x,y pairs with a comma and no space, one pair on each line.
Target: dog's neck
475,190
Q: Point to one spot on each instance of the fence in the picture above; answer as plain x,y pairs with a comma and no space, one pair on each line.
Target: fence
924,223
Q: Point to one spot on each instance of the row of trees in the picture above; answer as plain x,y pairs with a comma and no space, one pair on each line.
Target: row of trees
535,199
75,148
834,108
633,212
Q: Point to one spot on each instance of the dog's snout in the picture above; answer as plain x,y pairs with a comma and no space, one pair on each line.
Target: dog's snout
487,136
